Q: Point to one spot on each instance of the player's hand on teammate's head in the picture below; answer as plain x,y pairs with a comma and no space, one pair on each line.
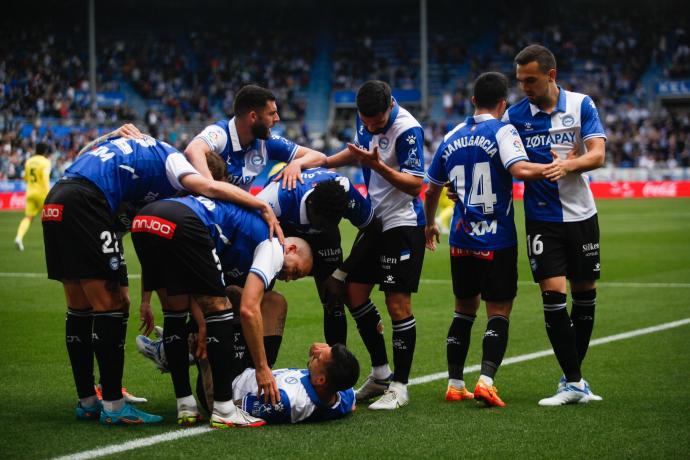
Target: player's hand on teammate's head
129,131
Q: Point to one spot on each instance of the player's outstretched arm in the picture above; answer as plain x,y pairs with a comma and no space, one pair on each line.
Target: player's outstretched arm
127,130
412,185
198,184
196,154
304,158
342,158
526,170
253,329
431,232
574,163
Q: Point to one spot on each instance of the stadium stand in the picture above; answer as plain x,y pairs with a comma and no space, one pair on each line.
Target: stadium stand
172,74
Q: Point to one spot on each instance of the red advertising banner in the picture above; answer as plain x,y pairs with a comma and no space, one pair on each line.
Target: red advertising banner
622,189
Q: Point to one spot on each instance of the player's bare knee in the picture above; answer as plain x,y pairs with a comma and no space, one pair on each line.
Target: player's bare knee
234,294
209,304
499,308
399,305
467,306
274,313
582,285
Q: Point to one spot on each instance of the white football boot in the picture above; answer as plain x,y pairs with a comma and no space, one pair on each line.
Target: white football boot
393,398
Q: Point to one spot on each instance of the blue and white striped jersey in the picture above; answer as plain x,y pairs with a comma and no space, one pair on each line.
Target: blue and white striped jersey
574,120
245,164
290,205
475,157
298,399
401,146
241,239
132,170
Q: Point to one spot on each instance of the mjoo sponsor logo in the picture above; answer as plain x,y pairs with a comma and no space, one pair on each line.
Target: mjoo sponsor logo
155,225
52,212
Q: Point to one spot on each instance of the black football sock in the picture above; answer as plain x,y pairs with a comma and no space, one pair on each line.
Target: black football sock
220,349
404,341
78,329
272,347
370,329
561,334
582,316
494,344
458,343
334,324
108,348
177,350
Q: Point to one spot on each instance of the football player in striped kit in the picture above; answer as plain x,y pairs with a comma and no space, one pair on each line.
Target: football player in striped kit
479,158
560,214
389,145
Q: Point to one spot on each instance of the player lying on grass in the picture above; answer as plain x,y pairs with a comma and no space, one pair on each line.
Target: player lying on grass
323,391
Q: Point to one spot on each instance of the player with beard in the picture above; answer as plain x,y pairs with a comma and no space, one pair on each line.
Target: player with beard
246,144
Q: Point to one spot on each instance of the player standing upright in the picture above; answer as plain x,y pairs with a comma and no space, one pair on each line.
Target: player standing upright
560,214
37,178
389,144
246,144
479,157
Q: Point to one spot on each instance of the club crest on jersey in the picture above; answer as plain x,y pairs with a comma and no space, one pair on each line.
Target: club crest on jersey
384,143
256,159
114,263
568,120
291,380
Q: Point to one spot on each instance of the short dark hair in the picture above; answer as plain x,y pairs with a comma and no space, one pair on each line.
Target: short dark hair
538,53
343,371
217,167
490,89
373,97
251,97
327,203
42,148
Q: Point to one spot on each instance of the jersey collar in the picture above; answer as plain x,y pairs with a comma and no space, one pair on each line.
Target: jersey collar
392,117
560,105
311,392
479,118
234,137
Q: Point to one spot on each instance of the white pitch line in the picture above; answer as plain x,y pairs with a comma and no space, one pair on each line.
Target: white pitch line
184,433
621,284
137,443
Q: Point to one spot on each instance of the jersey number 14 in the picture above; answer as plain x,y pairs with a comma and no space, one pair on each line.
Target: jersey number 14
481,192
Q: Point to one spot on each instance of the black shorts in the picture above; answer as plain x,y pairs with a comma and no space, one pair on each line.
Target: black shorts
79,235
397,264
493,274
176,251
569,249
325,246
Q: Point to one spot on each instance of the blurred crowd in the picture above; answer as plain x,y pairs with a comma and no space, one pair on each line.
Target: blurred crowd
175,80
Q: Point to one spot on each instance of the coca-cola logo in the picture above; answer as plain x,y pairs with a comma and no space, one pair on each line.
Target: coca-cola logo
660,189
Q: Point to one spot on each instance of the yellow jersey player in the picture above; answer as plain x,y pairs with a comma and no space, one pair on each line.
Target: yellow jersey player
37,177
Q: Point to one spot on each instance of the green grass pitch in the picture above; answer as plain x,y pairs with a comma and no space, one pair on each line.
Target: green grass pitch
643,380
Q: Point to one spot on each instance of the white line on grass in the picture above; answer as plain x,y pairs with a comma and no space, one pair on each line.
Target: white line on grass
623,284
184,433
